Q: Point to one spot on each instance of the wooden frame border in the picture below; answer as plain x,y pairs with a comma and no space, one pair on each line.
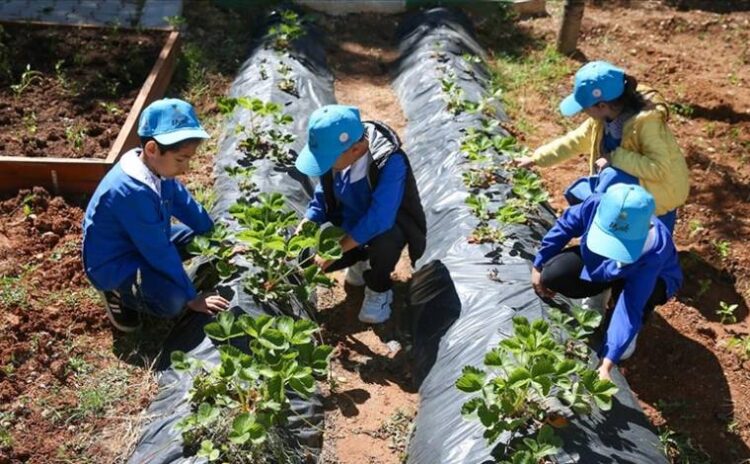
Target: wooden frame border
82,175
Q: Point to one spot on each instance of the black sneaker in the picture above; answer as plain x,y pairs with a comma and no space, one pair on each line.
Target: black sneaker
123,318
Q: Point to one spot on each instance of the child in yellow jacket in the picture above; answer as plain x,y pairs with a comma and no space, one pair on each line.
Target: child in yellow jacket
626,137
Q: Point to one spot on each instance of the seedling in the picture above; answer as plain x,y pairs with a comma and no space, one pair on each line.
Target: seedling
741,345
30,122
696,227
287,83
524,373
527,185
243,177
260,143
111,108
28,78
239,403
704,285
479,206
75,134
283,34
453,95
512,213
726,312
722,247
485,233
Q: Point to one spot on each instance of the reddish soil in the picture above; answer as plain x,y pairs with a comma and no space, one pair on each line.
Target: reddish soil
371,401
83,86
683,374
54,338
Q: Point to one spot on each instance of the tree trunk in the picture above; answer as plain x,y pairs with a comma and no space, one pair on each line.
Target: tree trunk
571,26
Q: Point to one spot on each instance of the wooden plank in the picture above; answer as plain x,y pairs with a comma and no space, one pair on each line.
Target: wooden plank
58,175
154,87
81,175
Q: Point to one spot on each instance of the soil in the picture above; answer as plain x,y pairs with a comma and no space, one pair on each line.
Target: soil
54,337
685,377
83,86
371,400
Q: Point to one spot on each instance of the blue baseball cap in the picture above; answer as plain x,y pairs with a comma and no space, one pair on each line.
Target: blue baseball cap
597,81
621,223
331,131
169,121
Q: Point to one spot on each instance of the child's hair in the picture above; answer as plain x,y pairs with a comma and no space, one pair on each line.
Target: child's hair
631,101
173,147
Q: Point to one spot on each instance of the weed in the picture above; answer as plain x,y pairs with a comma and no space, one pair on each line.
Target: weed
28,78
683,109
704,285
397,428
6,422
726,312
111,108
12,293
680,449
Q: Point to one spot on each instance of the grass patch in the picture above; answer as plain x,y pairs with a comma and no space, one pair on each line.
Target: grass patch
12,293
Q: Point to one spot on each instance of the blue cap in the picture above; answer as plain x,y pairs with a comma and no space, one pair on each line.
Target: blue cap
331,131
170,120
597,81
621,223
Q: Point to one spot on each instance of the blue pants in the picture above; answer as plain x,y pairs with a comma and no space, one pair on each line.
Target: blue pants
606,178
150,291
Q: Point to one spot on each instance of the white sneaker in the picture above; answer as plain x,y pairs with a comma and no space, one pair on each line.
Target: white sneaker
376,307
630,349
355,274
598,302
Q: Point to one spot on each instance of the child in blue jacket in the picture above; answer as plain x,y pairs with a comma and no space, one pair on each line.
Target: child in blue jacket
132,252
623,247
368,189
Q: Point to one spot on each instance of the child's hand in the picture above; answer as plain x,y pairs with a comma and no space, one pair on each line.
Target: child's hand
536,283
323,264
601,163
523,162
208,304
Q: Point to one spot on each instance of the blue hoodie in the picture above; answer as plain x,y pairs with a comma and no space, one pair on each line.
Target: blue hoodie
640,277
128,224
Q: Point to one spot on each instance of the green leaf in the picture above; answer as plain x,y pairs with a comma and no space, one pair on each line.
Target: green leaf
329,247
273,339
603,392
206,414
285,325
519,377
305,386
245,428
224,328
471,380
181,362
321,358
303,331
494,358
471,406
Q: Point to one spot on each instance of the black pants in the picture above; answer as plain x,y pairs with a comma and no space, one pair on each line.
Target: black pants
383,251
562,273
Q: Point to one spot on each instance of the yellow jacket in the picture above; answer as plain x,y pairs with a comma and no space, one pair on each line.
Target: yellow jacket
648,151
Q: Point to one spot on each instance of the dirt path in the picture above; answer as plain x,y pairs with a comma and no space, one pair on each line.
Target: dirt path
371,401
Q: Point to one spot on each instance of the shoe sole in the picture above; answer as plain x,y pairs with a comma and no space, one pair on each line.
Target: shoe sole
113,321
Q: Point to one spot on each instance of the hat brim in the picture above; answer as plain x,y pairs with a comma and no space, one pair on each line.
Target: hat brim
603,243
170,138
309,165
569,106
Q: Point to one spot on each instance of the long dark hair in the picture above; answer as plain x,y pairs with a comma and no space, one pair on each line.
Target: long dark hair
631,101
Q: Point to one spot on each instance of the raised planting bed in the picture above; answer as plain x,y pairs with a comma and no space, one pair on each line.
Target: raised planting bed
70,99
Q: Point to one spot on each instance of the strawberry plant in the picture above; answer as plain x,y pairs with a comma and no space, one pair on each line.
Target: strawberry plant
242,175
512,212
259,142
479,206
218,249
527,186
289,29
283,270
525,374
240,404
